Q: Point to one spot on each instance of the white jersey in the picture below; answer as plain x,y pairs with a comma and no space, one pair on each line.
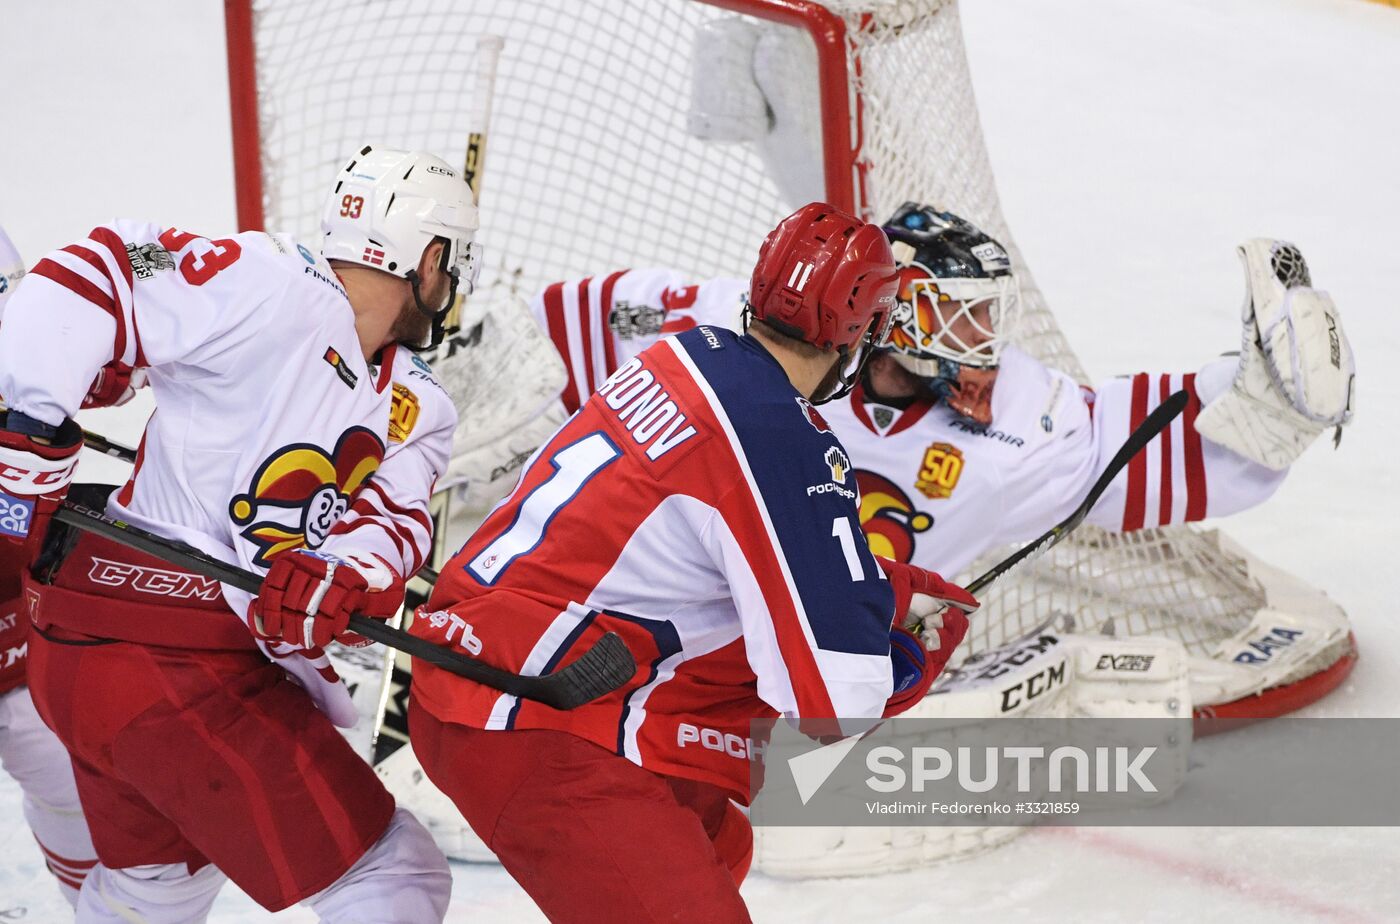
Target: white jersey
11,269
271,430
937,489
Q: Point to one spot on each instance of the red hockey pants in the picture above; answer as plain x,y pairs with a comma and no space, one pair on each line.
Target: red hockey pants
591,836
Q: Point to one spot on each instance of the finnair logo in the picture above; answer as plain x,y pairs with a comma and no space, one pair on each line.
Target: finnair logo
801,272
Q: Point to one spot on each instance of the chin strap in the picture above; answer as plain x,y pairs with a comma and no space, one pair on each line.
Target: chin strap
847,381
844,383
439,316
454,274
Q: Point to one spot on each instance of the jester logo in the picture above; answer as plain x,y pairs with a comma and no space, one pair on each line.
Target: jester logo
888,516
914,321
300,492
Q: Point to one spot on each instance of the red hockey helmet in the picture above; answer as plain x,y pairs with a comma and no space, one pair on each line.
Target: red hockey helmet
823,277
829,279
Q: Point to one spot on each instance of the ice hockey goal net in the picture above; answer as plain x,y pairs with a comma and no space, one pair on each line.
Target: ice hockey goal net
591,166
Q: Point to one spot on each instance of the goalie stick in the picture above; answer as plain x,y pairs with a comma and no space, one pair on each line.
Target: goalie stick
1146,431
488,56
604,667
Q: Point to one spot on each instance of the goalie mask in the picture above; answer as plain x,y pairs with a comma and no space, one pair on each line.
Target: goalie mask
958,305
387,206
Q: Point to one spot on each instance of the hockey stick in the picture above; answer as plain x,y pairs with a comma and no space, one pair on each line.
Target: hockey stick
607,665
1146,431
100,443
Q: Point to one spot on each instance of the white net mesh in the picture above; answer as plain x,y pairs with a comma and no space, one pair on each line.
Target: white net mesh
590,167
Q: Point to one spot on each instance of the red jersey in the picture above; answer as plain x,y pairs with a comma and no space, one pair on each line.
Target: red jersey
701,508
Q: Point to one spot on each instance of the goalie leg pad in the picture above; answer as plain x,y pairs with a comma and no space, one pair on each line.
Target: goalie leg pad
758,85
726,105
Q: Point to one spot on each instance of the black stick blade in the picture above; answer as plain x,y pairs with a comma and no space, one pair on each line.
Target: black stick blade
605,667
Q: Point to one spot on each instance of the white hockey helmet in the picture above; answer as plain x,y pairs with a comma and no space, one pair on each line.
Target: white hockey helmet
387,206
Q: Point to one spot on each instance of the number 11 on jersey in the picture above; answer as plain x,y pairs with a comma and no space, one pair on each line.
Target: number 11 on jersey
841,529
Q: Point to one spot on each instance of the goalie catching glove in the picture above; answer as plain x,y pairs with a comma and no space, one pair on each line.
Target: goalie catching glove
930,620
1297,373
308,597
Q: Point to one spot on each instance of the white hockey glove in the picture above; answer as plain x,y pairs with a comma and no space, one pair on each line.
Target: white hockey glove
1297,373
758,84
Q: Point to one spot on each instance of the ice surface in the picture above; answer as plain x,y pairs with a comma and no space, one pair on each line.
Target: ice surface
1134,144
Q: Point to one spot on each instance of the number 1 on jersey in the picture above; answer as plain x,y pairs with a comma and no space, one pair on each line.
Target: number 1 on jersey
841,529
573,465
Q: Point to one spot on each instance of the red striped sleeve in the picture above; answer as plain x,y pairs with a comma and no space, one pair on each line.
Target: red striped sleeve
109,239
76,284
407,551
585,326
408,546
1135,508
604,313
1164,511
69,871
559,333
1195,460
90,258
398,510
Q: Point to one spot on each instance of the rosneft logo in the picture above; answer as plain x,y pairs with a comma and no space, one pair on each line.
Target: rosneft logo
300,492
888,517
838,463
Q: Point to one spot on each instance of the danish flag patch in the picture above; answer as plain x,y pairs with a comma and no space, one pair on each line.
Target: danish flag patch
375,256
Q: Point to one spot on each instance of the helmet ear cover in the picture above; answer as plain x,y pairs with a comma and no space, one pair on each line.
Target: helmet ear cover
439,315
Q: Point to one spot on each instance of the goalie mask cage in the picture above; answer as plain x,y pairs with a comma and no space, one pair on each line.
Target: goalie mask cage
591,166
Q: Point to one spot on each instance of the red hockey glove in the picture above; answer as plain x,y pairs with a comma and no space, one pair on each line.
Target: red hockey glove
35,472
307,597
919,593
932,608
115,385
